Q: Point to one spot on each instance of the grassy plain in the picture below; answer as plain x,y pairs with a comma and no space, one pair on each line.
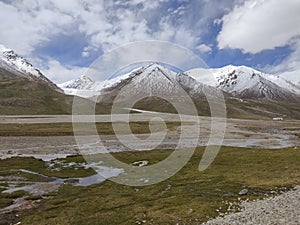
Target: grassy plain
189,197
66,129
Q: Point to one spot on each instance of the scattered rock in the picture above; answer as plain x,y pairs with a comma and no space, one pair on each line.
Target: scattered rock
281,210
243,192
141,163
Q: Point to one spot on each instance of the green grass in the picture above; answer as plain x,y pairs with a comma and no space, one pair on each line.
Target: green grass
291,128
7,199
35,165
261,109
66,129
241,134
260,170
248,109
15,97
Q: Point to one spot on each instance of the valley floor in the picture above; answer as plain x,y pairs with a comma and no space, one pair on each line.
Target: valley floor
49,137
37,192
257,157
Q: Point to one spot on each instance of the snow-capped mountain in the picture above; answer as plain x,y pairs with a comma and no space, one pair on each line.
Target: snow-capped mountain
152,79
82,82
11,61
26,91
157,79
239,81
284,83
20,67
246,82
83,87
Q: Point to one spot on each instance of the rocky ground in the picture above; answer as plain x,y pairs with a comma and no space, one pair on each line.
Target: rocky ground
280,210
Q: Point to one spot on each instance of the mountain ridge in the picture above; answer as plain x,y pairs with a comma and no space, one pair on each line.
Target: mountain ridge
239,81
20,67
25,90
246,82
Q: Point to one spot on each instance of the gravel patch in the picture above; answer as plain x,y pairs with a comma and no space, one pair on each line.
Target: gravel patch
280,210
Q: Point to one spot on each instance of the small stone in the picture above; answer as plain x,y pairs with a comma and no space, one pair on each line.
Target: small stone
243,192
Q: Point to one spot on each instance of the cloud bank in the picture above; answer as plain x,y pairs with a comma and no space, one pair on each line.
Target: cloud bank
258,25
63,37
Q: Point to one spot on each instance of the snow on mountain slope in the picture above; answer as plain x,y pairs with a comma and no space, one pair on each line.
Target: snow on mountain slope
282,82
153,78
85,87
243,81
20,67
203,75
11,61
240,81
156,80
83,82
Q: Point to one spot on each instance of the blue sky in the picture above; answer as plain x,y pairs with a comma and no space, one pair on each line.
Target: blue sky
63,37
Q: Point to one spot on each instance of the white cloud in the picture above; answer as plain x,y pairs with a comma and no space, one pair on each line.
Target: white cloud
290,65
86,51
203,48
23,28
85,54
104,24
217,21
258,25
178,34
28,25
59,73
147,5
138,52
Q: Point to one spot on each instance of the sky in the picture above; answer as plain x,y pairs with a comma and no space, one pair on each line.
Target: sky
64,37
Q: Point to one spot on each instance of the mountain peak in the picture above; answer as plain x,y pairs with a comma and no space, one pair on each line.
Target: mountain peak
246,82
20,67
238,69
85,78
83,82
4,49
154,67
155,70
12,61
